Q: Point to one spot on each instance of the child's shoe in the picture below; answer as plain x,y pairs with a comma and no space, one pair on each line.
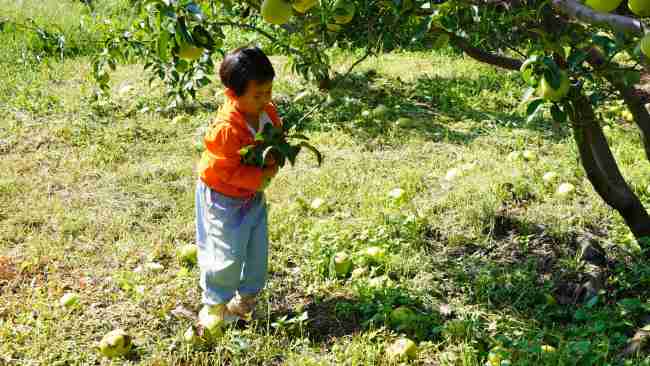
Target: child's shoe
242,306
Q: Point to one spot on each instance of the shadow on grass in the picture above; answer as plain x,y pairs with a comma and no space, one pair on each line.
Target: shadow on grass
434,104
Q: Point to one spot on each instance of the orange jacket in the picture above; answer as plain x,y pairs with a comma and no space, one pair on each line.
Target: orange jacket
220,166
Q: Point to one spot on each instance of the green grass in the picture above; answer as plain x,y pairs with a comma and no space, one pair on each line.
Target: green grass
91,192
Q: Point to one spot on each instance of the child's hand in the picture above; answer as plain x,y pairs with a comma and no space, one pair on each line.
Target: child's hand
270,160
269,171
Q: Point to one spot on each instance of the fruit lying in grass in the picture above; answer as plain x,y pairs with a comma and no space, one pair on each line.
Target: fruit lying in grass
549,177
115,343
342,264
276,11
550,300
547,92
211,323
317,203
402,318
402,349
343,11
374,254
396,193
514,155
333,27
181,120
604,6
497,355
302,6
565,189
359,272
639,7
154,266
379,281
548,349
405,122
627,115
190,336
187,254
69,299
380,111
452,174
528,155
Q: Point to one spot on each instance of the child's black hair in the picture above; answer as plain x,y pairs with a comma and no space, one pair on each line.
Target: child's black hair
242,65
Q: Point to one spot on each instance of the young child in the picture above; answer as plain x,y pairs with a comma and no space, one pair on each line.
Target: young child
231,217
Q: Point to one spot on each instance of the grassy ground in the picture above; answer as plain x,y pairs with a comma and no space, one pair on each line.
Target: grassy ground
92,193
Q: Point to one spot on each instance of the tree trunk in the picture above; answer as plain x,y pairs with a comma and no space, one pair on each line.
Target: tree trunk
602,169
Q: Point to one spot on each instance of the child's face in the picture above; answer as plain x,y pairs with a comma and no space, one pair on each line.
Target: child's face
256,97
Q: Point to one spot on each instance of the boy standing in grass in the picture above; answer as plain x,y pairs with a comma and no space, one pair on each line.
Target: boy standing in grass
231,216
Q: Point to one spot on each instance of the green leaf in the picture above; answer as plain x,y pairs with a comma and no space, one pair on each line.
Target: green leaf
631,78
577,58
552,78
607,44
558,114
533,106
163,45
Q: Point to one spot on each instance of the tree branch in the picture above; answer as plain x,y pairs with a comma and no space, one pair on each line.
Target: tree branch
584,13
602,169
265,34
631,97
479,54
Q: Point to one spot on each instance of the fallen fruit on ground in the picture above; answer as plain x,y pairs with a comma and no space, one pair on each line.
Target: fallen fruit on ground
342,264
380,111
317,203
276,11
548,349
401,349
496,356
405,122
514,155
452,174
333,27
402,317
211,323
549,177
565,189
528,155
69,299
188,254
181,119
375,254
359,272
396,193
190,336
115,343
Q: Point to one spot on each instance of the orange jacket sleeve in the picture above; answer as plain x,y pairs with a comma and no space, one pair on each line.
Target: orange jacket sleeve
223,145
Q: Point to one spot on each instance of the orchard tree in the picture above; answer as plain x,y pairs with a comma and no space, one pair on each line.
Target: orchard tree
573,56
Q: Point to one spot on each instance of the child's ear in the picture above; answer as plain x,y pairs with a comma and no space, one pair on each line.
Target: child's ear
230,93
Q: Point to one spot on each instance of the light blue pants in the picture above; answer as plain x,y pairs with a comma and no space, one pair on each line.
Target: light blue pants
232,237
